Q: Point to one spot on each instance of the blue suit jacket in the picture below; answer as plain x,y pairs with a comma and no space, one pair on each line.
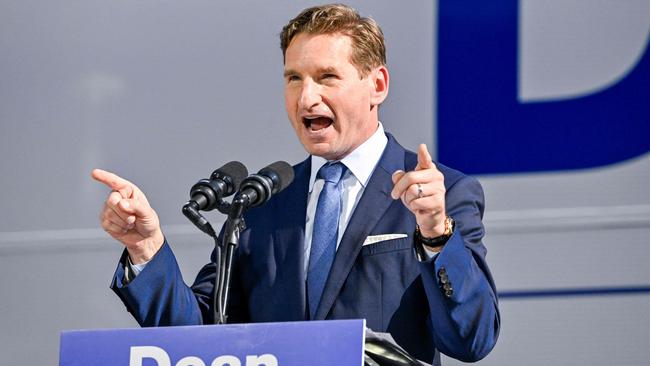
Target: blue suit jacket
384,283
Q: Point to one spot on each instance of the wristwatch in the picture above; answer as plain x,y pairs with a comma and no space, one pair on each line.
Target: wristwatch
437,241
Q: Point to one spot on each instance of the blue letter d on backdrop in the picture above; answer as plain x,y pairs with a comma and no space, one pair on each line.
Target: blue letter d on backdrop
484,129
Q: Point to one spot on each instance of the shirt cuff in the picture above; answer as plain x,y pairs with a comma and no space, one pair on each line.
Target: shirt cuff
423,253
134,269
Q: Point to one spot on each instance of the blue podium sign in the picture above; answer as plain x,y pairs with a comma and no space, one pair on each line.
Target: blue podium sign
334,342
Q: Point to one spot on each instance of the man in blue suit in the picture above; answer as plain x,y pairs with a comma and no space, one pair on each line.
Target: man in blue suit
390,236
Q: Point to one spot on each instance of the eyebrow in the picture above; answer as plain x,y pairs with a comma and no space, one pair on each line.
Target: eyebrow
320,70
289,72
326,70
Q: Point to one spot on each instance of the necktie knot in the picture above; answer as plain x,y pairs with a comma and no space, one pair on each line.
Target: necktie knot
331,172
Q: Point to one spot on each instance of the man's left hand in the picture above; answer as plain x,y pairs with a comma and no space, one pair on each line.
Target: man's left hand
423,192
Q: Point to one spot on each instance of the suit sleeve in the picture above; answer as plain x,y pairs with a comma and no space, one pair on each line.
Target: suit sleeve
462,296
159,297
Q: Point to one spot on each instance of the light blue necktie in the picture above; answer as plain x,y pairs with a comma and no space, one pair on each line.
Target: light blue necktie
325,233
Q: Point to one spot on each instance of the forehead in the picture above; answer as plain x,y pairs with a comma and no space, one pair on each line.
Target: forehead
318,50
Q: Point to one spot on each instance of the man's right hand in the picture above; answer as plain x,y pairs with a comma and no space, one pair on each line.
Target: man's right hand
128,217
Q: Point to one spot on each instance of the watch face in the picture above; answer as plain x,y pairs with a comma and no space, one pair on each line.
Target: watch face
449,226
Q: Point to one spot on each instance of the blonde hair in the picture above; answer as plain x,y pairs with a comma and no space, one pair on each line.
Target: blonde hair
368,49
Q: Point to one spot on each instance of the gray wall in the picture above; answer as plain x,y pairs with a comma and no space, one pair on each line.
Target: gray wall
158,91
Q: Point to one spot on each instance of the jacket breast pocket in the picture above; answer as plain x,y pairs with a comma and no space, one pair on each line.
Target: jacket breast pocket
387,246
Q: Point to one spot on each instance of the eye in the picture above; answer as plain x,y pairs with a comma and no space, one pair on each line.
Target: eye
292,77
329,76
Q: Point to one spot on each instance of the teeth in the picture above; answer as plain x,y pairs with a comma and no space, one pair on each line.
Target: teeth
317,123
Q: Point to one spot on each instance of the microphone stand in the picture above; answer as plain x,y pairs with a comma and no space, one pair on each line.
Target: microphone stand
224,252
234,226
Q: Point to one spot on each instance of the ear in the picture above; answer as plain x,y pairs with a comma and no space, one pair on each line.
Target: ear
379,88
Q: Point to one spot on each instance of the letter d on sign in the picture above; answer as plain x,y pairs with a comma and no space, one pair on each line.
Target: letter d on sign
158,354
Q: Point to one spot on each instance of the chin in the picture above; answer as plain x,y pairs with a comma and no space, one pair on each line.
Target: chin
322,151
319,152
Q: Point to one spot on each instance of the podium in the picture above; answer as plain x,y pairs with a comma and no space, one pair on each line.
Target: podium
316,343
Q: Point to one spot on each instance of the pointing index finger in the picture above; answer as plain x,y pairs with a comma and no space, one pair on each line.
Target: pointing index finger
114,182
424,158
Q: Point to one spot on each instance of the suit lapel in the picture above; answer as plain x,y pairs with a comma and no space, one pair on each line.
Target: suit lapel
289,241
371,207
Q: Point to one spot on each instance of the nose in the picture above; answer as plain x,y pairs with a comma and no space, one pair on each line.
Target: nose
309,94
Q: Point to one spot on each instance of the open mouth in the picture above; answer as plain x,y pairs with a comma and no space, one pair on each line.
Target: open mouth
317,123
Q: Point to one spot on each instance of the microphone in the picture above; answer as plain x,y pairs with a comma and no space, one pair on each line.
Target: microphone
207,194
259,188
222,183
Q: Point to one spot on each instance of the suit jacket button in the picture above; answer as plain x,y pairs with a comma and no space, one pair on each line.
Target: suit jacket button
447,287
442,275
449,292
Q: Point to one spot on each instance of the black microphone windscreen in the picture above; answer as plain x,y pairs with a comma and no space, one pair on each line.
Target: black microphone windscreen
283,171
235,170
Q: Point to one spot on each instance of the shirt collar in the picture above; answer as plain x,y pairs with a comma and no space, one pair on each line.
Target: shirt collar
360,162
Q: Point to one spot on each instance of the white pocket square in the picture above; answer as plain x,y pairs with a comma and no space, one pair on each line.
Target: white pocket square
372,239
